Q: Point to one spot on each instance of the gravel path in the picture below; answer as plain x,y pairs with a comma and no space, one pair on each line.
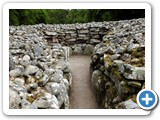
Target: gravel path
82,96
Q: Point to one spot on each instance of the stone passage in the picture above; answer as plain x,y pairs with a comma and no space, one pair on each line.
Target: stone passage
82,96
39,70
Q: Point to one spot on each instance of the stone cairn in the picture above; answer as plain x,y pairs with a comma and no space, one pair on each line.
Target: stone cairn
39,73
118,65
39,76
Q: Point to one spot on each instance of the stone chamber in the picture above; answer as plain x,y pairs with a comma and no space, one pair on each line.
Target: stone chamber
39,63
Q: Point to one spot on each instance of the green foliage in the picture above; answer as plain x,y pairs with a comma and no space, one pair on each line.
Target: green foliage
13,17
65,16
77,16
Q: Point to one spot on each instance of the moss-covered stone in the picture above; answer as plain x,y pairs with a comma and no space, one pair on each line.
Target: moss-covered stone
116,75
107,61
30,99
136,53
111,93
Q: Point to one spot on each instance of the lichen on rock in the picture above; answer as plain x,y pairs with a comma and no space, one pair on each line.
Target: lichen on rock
124,66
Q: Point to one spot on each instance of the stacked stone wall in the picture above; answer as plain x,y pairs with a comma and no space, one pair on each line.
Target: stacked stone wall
40,76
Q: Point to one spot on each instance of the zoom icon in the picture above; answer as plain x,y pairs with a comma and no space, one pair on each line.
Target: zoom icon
147,99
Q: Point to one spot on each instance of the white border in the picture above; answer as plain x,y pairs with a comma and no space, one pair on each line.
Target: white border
8,6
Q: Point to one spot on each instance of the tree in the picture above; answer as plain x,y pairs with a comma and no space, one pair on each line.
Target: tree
63,16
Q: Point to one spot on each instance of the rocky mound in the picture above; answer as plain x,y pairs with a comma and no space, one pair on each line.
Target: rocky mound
39,76
39,73
118,65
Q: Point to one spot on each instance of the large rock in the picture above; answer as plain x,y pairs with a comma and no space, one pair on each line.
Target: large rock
11,62
134,73
88,49
46,102
77,50
38,50
14,100
56,77
95,76
17,72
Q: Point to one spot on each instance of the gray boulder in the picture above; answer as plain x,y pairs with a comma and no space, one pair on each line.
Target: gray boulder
77,50
47,101
31,69
14,100
134,73
17,72
88,49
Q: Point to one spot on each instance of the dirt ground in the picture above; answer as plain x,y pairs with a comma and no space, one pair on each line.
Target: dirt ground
82,96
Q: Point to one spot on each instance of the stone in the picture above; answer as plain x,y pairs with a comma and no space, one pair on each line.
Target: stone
17,72
88,49
17,87
49,71
115,57
50,33
123,87
134,73
110,50
95,76
131,47
47,102
70,51
33,85
134,84
116,41
77,50
129,104
66,83
16,52
14,100
31,69
56,77
26,58
39,74
19,81
83,31
107,50
108,84
25,104
135,61
141,48
102,50
61,65
43,80
94,41
38,50
117,99
11,62
63,99
119,64
126,57
120,49
53,88
71,40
